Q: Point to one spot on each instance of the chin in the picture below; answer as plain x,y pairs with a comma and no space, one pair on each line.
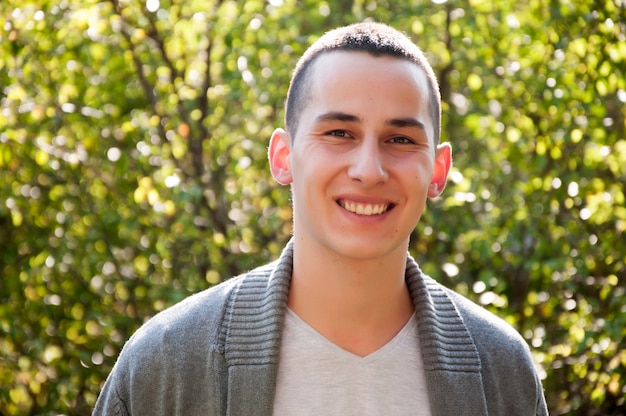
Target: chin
360,249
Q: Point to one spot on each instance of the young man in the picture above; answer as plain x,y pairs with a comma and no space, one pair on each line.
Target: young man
344,322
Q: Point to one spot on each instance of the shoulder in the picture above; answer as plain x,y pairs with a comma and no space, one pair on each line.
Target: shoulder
447,309
499,344
195,321
201,312
486,327
507,365
191,328
176,353
490,334
461,336
193,325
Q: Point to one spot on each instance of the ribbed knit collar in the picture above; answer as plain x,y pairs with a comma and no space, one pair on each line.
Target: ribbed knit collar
255,316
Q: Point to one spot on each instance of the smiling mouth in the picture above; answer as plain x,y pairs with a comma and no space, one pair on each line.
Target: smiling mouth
361,208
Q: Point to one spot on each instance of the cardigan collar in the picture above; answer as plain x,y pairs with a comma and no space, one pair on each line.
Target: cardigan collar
254,320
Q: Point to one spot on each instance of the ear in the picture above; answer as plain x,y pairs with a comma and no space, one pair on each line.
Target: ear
443,163
278,155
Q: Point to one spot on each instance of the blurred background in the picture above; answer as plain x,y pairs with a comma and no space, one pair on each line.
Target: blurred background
133,173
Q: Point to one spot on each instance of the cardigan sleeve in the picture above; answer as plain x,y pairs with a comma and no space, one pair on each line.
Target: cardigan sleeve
110,403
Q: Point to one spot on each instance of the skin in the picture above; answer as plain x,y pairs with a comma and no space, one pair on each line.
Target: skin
361,168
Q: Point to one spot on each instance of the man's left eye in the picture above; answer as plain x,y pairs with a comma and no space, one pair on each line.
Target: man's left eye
402,140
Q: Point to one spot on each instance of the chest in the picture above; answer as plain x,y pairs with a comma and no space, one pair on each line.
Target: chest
317,377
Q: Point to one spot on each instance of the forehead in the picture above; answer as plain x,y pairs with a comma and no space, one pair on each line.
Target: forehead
364,82
363,70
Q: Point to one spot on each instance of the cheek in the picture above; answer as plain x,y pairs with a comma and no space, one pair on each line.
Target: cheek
424,171
416,172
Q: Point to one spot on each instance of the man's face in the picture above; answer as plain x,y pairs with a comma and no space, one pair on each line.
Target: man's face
361,166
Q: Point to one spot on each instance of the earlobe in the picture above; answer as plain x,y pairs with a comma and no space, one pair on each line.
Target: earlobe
443,163
278,155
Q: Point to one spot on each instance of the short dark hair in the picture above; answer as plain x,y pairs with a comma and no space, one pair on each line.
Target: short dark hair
376,39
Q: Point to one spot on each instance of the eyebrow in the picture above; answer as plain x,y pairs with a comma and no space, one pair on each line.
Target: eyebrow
406,122
337,116
345,117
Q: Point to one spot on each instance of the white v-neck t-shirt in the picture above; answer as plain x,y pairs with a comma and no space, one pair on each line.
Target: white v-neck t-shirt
316,377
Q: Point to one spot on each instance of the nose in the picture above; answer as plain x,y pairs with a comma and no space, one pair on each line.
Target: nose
367,164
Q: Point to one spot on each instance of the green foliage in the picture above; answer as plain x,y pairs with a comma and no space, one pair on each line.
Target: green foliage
132,173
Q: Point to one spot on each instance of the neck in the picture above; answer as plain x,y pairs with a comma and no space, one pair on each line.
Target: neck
360,305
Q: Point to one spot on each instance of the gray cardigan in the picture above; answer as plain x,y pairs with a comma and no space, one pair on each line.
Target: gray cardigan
216,353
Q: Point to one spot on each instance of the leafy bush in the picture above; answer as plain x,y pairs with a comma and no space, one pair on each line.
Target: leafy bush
133,173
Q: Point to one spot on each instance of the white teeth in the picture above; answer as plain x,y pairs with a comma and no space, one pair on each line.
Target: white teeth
364,209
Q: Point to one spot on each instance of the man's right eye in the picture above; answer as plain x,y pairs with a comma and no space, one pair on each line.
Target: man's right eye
338,133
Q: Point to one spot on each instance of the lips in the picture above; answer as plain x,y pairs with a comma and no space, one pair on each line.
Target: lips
362,208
